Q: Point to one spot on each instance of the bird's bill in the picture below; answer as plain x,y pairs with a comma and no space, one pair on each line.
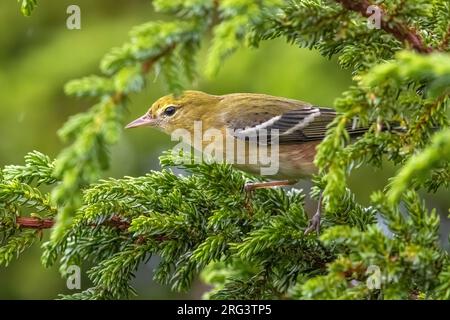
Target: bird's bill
143,121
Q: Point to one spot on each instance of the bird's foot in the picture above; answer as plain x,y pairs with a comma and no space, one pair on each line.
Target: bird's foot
248,189
314,224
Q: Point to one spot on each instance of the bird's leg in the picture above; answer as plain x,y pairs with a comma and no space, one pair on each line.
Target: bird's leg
252,186
268,184
314,222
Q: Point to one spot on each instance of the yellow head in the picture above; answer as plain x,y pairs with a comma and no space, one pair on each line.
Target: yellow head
170,113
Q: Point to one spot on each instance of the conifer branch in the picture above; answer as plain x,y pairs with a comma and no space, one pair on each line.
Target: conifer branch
34,223
48,223
198,223
148,64
401,32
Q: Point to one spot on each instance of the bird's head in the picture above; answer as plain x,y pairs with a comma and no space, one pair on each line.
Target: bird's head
170,112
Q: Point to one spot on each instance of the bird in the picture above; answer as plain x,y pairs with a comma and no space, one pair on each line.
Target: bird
291,128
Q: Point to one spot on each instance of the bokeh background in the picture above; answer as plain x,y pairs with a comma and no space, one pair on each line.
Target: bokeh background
38,55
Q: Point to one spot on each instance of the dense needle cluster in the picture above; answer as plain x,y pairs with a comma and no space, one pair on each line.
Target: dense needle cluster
197,223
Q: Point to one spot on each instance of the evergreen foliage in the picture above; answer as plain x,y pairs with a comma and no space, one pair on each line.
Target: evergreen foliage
198,223
27,6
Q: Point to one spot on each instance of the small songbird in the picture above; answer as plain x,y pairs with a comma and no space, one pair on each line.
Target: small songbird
295,127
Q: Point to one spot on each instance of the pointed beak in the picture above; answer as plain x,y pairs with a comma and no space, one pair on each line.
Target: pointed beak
143,121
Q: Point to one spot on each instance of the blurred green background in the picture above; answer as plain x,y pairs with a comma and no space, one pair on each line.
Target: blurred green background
39,55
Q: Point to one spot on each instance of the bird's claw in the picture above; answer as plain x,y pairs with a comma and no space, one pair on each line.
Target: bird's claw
314,224
248,189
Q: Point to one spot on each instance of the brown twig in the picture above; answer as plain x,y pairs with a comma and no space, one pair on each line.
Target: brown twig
115,222
215,20
148,64
47,223
34,223
399,31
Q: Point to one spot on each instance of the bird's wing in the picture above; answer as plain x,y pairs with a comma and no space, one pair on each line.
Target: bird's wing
301,124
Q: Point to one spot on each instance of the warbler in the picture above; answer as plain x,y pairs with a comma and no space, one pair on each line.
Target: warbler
288,130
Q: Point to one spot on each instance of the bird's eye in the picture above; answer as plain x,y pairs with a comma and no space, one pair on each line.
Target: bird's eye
169,111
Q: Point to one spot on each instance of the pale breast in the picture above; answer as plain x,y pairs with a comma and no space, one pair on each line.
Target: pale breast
285,161
295,161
